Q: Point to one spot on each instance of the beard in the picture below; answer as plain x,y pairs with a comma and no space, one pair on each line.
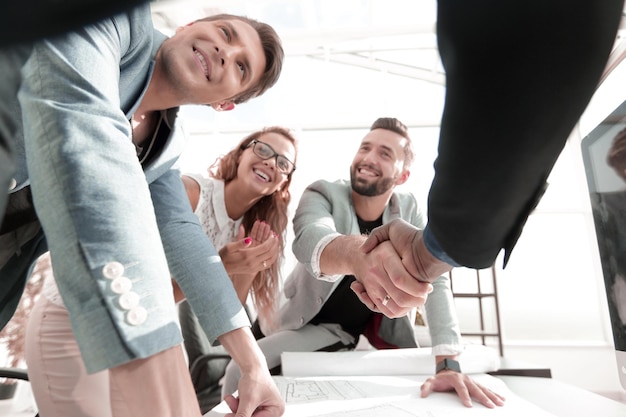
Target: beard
370,189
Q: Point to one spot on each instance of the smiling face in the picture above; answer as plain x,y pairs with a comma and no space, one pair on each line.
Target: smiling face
262,175
378,164
211,62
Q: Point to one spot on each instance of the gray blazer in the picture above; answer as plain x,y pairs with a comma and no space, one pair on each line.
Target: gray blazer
102,214
326,209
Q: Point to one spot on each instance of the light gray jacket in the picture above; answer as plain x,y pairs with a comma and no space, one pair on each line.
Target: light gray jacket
326,210
100,209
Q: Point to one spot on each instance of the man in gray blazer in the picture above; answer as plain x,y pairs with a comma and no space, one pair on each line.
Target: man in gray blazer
322,312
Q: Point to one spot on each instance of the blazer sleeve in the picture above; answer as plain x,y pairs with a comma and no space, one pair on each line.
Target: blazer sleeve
506,116
315,222
92,197
193,260
443,322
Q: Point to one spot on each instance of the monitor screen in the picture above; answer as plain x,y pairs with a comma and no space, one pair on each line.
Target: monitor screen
604,158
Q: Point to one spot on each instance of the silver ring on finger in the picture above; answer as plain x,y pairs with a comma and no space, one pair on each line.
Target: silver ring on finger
386,300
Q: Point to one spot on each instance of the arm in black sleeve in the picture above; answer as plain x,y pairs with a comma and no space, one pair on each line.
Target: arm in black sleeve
519,75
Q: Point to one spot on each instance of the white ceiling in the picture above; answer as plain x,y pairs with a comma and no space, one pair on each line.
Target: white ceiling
383,35
369,56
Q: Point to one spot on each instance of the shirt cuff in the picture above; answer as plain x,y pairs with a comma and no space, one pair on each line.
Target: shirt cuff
317,254
435,249
447,350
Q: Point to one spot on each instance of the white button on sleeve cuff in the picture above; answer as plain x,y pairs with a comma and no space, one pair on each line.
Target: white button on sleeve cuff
113,270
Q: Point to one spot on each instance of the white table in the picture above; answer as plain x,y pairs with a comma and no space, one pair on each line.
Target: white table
563,400
527,397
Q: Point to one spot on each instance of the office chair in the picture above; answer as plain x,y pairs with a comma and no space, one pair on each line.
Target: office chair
15,373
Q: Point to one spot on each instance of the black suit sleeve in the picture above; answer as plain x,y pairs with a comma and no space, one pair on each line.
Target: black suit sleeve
30,20
519,75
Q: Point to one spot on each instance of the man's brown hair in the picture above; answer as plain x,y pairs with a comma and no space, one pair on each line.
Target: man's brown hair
396,126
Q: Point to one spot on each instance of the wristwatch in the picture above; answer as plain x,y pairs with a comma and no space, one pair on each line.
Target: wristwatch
449,364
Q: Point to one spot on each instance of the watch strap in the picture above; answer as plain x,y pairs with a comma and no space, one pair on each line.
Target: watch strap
448,364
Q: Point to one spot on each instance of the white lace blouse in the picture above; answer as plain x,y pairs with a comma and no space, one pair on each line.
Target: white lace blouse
211,211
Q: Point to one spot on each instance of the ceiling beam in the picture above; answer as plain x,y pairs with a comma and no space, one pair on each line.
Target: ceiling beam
389,67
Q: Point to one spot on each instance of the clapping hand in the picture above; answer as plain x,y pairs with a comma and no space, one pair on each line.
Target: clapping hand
249,255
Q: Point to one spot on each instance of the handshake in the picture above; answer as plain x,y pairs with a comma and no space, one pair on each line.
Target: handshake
399,277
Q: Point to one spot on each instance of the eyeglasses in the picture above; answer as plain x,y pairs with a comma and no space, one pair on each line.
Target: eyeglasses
265,151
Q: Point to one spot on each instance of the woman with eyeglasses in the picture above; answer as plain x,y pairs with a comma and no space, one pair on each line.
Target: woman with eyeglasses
242,206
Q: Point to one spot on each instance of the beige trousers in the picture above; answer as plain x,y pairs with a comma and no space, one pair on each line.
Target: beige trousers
153,387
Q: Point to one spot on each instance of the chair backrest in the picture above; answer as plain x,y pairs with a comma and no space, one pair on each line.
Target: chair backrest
19,374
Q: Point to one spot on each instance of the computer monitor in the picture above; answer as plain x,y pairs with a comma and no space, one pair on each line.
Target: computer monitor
606,180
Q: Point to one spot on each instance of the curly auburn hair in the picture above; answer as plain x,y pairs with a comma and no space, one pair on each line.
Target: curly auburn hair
273,210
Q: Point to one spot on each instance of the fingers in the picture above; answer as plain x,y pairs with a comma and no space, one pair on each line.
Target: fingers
378,235
426,388
258,397
484,395
390,309
398,231
247,256
254,232
446,382
463,393
232,402
267,252
386,300
390,286
402,287
261,231
465,387
407,240
263,255
404,268
360,292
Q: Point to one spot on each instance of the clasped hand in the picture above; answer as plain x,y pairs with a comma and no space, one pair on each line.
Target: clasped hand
403,269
